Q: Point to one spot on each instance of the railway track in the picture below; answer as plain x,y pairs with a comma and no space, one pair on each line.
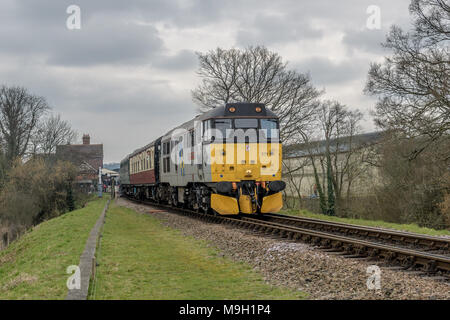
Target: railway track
432,244
355,247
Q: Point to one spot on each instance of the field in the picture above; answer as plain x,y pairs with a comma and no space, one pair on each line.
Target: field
371,223
139,258
34,266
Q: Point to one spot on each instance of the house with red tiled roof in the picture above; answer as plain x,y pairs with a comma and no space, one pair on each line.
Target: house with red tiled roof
87,157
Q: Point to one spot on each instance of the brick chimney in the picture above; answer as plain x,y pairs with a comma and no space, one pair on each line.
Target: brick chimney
86,139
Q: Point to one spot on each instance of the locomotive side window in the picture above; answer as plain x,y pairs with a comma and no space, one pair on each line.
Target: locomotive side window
207,125
166,148
198,132
166,156
168,164
192,138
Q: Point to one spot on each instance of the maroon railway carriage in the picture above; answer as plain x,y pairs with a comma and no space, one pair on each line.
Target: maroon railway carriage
143,165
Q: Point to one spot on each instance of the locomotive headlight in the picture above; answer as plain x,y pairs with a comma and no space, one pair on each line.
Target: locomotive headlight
232,109
258,109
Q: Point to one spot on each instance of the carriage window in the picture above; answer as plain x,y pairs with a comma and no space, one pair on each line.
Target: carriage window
151,159
245,123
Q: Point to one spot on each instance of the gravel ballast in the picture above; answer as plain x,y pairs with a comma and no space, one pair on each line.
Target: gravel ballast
299,266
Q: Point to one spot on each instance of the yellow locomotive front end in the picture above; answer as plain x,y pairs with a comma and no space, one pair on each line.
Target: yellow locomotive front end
246,161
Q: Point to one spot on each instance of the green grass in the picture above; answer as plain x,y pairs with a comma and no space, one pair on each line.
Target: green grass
34,266
372,223
139,258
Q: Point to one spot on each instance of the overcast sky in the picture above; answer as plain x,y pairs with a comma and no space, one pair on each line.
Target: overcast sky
125,77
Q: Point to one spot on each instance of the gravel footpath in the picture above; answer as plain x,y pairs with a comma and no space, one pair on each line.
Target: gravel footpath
299,266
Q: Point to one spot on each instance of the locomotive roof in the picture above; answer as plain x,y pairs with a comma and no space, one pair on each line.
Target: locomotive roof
139,150
242,110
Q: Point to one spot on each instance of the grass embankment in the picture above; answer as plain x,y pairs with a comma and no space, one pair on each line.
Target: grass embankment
34,266
139,258
371,223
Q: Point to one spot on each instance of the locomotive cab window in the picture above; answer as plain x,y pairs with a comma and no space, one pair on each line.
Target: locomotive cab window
269,128
246,123
223,126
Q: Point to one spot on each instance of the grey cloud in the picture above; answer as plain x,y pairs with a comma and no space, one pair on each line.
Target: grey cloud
113,78
120,112
179,13
365,40
323,71
271,29
181,61
102,43
103,40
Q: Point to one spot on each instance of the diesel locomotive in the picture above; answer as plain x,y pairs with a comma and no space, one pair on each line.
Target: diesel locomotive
225,161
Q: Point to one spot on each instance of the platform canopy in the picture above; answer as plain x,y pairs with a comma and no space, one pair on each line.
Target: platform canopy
109,173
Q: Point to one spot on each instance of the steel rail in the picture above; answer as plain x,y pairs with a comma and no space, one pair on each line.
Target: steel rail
433,242
425,259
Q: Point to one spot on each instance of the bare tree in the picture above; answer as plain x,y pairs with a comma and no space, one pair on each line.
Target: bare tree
413,84
339,126
333,152
19,115
294,172
256,75
411,190
314,153
51,132
432,18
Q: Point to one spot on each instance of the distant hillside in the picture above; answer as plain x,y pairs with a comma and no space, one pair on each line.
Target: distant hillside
112,166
